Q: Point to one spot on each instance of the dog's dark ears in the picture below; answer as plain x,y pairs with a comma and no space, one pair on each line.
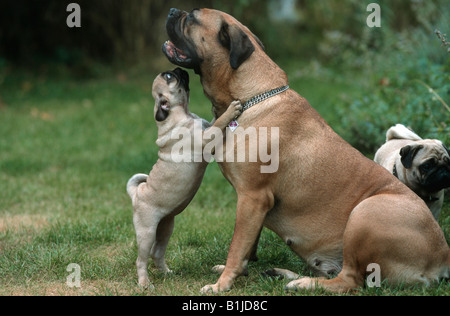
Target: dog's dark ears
408,153
239,44
184,78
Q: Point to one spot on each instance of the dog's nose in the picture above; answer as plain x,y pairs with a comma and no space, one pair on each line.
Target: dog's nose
174,12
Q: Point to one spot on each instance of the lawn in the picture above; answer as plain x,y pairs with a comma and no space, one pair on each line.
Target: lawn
67,149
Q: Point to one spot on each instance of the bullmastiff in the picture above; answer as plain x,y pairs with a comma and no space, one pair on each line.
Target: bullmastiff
422,164
338,210
172,183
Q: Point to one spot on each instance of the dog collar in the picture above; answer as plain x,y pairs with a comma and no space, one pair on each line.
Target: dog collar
262,97
394,172
255,100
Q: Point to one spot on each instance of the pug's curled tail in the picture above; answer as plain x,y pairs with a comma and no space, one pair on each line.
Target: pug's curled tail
134,182
400,131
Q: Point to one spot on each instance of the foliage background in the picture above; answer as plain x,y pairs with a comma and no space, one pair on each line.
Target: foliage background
396,65
76,122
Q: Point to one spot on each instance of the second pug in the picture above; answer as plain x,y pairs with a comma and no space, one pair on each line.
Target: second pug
171,185
422,164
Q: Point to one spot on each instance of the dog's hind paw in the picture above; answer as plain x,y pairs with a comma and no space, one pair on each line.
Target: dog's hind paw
144,284
281,273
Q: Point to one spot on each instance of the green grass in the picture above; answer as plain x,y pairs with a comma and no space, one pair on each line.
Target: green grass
67,149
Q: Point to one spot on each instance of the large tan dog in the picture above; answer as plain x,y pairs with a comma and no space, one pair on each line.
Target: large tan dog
172,183
335,208
422,164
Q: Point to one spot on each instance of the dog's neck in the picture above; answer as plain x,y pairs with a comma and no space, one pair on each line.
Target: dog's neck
176,117
242,84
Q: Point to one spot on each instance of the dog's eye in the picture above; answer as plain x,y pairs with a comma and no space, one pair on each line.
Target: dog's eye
168,76
427,166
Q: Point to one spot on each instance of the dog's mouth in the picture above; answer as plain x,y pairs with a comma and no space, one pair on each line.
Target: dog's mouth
181,57
175,55
179,50
164,105
163,110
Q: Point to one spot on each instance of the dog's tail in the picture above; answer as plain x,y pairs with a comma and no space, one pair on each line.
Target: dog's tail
400,131
134,182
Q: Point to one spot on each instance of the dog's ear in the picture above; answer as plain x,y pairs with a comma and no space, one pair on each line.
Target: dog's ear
408,153
239,44
184,78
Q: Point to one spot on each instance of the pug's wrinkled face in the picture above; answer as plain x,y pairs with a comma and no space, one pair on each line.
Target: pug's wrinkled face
427,165
170,89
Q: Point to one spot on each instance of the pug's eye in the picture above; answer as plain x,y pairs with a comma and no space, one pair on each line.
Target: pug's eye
168,76
427,166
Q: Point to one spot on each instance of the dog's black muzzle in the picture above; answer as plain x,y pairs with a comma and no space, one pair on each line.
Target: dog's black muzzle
439,179
180,50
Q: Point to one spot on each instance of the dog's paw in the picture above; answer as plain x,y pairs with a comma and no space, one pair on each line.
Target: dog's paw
218,269
281,274
304,283
237,108
144,284
212,288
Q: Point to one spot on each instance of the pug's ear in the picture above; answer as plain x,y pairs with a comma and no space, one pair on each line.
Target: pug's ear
184,78
408,153
239,44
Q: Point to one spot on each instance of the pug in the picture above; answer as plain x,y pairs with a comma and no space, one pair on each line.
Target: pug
422,164
171,185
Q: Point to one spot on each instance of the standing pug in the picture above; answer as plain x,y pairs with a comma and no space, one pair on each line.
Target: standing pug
158,197
423,165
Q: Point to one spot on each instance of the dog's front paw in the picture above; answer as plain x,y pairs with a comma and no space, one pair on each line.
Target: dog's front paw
219,268
212,288
236,107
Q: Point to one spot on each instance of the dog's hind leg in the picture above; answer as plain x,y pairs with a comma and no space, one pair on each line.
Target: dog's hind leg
146,226
163,234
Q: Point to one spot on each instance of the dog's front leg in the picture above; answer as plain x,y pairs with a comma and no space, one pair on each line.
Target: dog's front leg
250,214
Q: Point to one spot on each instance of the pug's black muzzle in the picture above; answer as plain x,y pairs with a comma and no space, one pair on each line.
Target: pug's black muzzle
438,179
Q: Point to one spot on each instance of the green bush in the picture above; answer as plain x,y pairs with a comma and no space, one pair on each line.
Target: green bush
411,97
405,78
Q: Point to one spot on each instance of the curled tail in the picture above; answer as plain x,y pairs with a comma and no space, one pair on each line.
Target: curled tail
400,131
134,182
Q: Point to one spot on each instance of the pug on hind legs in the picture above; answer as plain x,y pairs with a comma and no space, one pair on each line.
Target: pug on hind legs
158,197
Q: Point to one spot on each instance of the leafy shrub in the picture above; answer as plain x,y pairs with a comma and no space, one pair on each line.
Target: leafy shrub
411,98
406,78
